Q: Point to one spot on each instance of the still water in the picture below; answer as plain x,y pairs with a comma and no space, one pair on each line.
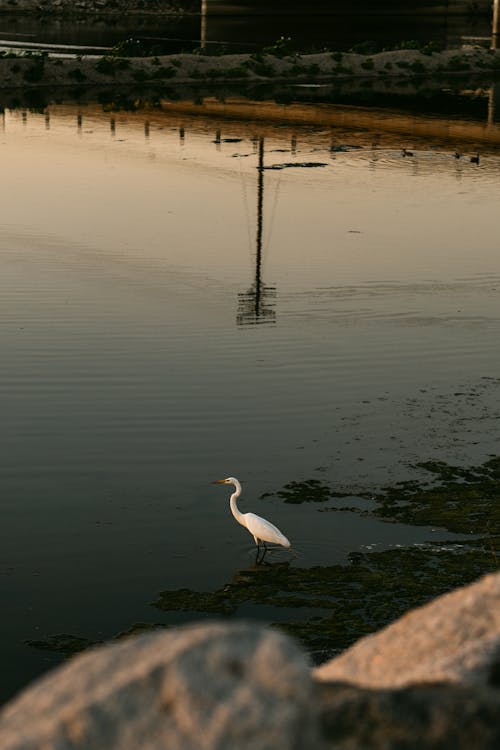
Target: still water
341,29
173,310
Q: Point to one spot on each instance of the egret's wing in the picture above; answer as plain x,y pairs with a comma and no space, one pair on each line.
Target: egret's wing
265,530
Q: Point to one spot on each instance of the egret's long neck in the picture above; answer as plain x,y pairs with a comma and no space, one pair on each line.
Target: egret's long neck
232,502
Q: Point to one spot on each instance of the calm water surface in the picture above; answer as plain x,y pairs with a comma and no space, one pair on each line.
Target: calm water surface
340,28
170,313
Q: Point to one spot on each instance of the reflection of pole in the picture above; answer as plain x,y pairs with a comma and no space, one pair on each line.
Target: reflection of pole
257,304
496,20
260,224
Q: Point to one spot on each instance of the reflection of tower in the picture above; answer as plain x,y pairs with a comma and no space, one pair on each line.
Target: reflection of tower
256,305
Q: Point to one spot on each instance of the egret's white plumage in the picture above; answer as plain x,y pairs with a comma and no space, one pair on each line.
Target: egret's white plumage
259,528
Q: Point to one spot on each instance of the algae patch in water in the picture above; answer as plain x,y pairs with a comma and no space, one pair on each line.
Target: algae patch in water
63,643
464,500
340,603
308,491
67,644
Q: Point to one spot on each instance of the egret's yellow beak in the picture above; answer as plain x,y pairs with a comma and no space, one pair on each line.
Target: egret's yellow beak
219,481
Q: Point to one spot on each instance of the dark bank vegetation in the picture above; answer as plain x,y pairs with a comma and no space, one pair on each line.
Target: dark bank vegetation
132,63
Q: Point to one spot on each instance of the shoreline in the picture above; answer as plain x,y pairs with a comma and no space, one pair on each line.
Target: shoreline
42,69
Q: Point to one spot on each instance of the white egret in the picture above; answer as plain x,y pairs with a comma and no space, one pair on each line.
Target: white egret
261,530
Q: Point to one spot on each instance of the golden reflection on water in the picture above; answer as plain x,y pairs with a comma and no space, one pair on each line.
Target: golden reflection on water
296,222
276,208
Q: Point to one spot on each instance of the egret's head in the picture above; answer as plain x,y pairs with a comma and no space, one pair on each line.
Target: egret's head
227,480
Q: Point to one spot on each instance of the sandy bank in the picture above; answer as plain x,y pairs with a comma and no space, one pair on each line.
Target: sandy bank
41,69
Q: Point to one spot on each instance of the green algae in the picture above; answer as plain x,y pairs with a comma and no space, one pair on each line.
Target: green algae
308,491
327,608
464,500
63,643
340,603
69,645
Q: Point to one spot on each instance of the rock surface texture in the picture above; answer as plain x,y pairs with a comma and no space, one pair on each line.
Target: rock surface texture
455,638
207,686
430,717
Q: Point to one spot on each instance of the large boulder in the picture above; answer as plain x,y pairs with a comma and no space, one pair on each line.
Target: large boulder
211,686
455,638
435,717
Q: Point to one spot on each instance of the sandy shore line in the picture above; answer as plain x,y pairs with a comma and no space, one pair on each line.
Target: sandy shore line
325,67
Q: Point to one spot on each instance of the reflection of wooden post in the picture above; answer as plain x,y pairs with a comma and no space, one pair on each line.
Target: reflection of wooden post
496,20
493,103
203,29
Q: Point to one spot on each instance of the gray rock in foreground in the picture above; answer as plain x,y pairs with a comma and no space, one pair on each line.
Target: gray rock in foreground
239,686
434,717
211,686
455,638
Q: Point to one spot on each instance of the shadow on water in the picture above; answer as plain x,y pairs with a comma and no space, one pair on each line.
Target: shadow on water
329,607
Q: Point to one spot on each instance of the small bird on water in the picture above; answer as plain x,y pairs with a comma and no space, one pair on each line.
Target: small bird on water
405,152
474,159
261,530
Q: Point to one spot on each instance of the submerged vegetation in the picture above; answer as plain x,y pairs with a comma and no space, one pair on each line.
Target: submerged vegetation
464,500
335,605
330,607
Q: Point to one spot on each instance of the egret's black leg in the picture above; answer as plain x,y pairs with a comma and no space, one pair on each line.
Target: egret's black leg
257,556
